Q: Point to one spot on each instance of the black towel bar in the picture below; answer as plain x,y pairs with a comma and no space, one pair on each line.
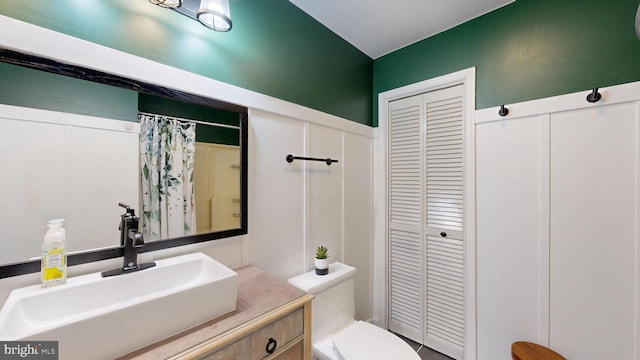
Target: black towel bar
290,159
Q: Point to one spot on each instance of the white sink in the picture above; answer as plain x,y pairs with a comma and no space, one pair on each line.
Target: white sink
93,317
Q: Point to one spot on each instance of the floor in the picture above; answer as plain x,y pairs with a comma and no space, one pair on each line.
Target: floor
425,353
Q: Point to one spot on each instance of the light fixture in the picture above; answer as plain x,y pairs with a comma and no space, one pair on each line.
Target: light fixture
214,14
167,3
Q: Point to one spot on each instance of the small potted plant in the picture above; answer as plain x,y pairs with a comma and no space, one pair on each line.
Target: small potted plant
322,262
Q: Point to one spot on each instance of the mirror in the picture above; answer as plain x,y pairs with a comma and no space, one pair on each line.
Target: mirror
96,102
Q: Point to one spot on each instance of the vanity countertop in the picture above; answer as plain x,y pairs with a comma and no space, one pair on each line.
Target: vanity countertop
258,294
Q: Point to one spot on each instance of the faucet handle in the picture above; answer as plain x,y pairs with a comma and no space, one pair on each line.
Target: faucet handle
129,211
124,206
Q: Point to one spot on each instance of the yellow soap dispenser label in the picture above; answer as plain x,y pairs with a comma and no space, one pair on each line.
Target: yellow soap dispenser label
53,265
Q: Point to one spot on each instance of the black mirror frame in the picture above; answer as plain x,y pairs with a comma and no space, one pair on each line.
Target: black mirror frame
52,66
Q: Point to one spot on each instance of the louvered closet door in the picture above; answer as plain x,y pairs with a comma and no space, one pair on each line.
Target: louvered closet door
426,252
444,323
406,249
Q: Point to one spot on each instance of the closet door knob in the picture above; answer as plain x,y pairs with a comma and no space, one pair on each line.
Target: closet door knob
271,345
443,234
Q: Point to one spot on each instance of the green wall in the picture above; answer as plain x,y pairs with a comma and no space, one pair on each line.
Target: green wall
25,87
274,48
527,50
41,90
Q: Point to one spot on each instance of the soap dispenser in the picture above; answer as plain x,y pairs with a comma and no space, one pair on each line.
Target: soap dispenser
54,256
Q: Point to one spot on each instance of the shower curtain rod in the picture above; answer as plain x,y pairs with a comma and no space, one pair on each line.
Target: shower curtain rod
193,121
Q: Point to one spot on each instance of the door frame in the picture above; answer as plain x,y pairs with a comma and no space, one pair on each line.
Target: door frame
467,78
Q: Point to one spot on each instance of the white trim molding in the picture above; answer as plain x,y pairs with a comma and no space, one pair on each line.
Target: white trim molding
60,118
610,95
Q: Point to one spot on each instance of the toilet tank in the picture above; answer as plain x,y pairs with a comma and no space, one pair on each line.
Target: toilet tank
334,304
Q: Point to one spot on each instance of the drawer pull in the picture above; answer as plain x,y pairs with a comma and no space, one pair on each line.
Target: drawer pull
271,345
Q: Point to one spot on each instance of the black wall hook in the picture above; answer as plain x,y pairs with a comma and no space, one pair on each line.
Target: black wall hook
594,96
503,111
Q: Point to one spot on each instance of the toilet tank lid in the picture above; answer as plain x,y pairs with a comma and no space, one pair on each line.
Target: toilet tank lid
313,284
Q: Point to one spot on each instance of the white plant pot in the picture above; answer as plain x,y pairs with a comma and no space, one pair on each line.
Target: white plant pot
322,266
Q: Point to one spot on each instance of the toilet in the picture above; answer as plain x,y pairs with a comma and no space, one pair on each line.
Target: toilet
335,334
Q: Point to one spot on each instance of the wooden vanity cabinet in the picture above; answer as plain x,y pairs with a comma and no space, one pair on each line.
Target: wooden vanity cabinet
272,321
280,335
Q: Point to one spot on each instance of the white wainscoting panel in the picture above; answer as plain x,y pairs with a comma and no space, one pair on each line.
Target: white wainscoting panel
558,226
594,232
276,195
509,165
103,171
44,149
81,165
358,223
324,193
294,207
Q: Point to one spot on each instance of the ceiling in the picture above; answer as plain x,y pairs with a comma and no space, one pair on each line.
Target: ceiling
376,29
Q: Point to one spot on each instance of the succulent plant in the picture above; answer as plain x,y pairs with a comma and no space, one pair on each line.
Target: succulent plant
322,252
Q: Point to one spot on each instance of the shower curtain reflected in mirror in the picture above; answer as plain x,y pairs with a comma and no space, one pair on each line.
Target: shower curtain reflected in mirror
167,148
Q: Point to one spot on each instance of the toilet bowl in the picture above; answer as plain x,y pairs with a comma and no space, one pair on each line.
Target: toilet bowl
335,334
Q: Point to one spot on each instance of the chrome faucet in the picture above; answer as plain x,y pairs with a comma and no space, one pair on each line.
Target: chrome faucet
132,240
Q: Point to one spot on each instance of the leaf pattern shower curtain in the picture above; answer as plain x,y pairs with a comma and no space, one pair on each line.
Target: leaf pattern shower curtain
167,148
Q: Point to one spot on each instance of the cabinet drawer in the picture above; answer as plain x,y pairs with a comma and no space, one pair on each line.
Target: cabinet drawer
296,352
254,345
